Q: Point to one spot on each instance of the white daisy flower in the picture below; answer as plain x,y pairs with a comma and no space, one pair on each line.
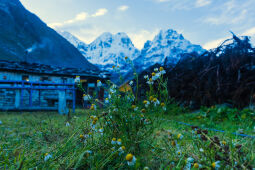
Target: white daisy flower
101,130
179,136
146,168
67,124
190,159
99,83
119,141
86,97
146,77
156,102
216,165
178,153
163,72
131,83
150,81
47,157
106,101
114,141
131,160
156,69
77,79
121,150
88,151
146,102
155,77
201,150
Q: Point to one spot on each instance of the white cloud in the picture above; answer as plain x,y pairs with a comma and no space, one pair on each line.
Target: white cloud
142,36
217,42
249,32
231,12
201,3
162,0
79,17
213,44
100,12
123,8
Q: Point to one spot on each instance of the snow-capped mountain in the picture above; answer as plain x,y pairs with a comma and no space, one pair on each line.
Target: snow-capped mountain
107,50
72,39
166,49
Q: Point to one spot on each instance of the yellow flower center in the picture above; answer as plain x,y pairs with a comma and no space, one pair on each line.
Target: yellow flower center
150,79
113,66
161,69
126,57
213,164
224,142
129,157
46,154
196,165
98,81
133,106
179,136
113,139
162,104
119,140
143,110
153,74
151,98
123,148
81,136
154,99
145,102
95,119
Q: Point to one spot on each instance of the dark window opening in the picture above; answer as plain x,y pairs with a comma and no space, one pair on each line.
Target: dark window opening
45,78
64,80
25,78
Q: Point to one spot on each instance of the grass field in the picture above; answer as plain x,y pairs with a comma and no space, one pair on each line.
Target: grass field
51,141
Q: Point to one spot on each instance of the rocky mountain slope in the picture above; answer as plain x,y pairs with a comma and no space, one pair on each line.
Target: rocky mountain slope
24,37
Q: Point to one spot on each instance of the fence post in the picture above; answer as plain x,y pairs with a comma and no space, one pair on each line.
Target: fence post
30,95
21,94
17,97
74,97
62,102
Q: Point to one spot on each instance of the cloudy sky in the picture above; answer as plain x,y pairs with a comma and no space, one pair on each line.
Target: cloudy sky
204,22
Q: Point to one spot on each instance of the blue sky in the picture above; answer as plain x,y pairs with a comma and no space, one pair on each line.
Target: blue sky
204,22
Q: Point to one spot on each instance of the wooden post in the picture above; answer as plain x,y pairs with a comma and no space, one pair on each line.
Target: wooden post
62,109
74,96
31,95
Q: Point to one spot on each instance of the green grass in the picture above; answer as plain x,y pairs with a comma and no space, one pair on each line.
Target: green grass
25,138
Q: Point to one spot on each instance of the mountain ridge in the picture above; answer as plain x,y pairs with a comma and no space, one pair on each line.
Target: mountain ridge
25,37
167,47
